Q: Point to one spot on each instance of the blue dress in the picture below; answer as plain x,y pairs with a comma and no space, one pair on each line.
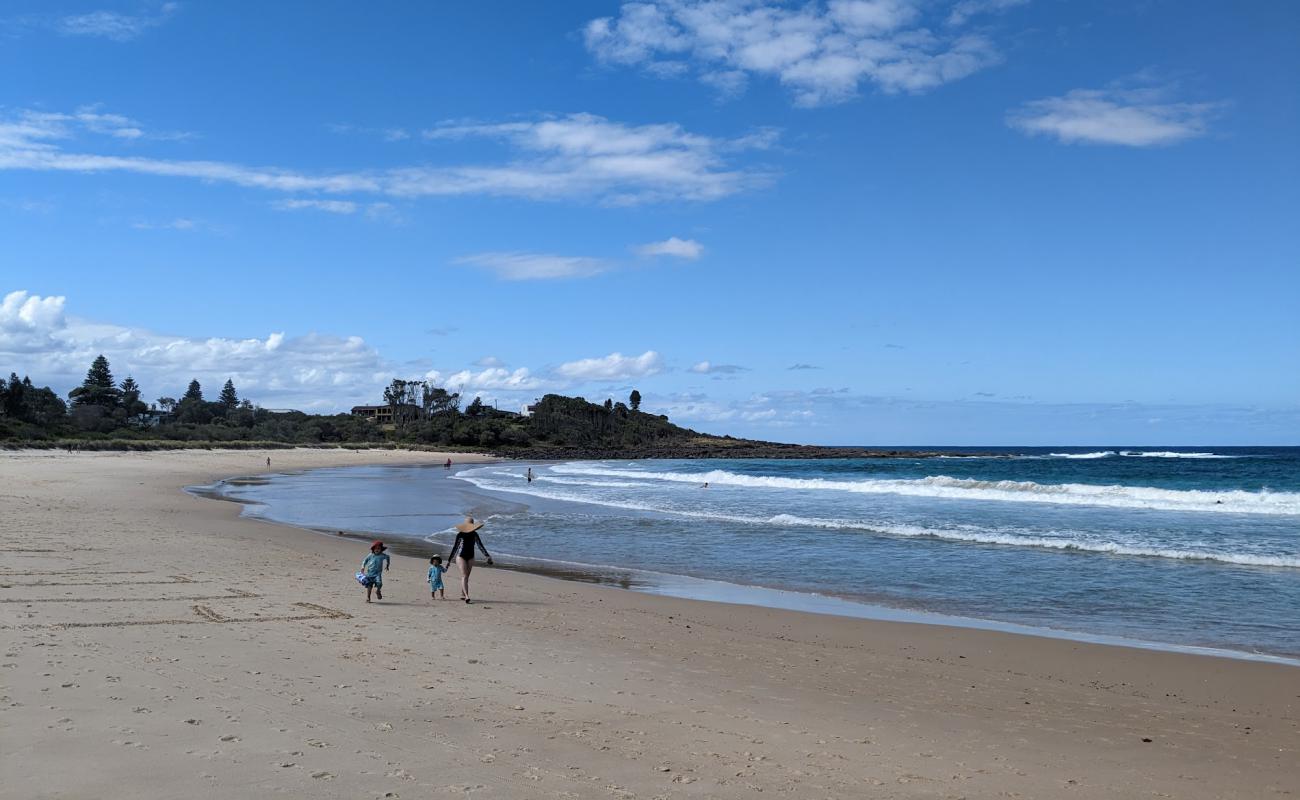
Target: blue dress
435,577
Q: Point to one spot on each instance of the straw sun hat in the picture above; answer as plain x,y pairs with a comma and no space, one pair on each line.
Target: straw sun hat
469,525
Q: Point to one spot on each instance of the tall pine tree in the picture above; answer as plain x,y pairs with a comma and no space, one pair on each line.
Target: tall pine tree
193,392
131,402
98,389
229,398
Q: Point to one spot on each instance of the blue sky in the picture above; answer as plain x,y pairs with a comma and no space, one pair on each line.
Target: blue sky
858,221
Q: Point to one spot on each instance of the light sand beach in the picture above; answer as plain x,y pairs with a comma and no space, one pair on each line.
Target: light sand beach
156,645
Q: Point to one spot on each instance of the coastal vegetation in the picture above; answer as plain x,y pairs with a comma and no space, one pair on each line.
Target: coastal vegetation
104,413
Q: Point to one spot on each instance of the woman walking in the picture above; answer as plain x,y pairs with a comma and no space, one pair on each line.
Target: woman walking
462,552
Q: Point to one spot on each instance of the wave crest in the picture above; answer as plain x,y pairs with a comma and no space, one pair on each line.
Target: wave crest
943,486
1067,541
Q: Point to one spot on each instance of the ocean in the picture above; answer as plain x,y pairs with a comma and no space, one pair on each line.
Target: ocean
1178,547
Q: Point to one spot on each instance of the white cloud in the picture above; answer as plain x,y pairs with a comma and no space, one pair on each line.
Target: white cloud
27,322
332,206
178,224
469,382
535,266
113,25
613,367
622,164
311,371
709,368
966,9
580,156
821,51
1116,116
688,249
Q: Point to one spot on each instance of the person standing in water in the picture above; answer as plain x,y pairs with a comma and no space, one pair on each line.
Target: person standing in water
530,474
462,552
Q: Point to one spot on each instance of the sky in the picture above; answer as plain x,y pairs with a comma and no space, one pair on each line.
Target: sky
868,222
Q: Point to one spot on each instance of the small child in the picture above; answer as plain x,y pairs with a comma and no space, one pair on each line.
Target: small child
373,566
435,578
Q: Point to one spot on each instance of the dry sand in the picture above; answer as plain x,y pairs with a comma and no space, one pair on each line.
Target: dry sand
157,646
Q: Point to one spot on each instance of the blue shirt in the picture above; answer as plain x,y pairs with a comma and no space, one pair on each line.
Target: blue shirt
435,574
374,564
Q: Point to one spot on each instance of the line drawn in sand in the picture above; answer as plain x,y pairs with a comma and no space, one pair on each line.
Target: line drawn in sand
204,614
235,594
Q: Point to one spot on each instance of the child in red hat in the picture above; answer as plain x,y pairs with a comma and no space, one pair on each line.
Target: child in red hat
373,566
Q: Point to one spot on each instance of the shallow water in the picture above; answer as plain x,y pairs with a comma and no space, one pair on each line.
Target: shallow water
1194,547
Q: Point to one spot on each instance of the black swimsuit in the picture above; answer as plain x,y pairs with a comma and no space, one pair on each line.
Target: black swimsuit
466,543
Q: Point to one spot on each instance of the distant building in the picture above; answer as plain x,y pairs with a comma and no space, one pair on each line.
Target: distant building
527,409
383,415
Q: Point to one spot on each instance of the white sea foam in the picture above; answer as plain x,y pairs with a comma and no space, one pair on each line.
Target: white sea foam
1169,454
943,486
1065,540
1099,454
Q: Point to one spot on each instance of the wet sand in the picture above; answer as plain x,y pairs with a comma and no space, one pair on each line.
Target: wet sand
157,645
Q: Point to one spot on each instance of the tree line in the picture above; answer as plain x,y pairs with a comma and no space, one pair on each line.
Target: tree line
102,408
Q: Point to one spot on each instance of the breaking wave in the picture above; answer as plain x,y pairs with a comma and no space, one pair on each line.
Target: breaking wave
1065,541
942,486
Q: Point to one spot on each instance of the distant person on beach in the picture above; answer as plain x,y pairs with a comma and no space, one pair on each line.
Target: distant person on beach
373,566
447,465
530,474
705,486
462,552
268,461
435,578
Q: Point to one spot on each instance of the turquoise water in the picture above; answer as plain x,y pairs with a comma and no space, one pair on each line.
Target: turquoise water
1194,547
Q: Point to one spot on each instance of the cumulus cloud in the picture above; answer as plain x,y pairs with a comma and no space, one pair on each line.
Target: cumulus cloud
493,378
28,322
311,371
688,249
709,368
535,266
580,156
112,24
822,51
613,367
1115,116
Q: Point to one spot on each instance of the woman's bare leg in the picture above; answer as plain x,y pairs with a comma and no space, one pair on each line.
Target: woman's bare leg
466,566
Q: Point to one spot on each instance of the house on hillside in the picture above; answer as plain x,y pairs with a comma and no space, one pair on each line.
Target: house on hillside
386,414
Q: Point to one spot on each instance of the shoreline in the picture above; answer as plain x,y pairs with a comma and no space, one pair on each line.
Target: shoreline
543,688
712,590
707,590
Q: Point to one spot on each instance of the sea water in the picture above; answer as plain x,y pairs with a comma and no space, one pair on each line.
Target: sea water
1195,547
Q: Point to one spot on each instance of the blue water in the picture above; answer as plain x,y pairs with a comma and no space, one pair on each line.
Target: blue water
1186,546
